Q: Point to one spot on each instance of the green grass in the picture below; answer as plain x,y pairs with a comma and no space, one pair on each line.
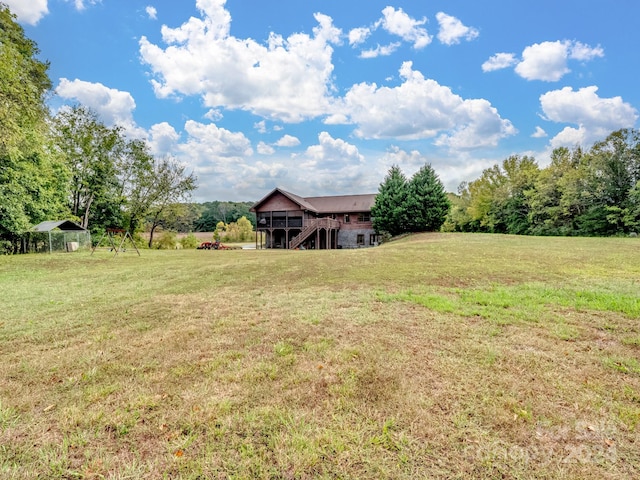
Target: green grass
436,356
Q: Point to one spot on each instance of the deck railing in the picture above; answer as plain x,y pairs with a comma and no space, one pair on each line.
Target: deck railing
279,222
311,227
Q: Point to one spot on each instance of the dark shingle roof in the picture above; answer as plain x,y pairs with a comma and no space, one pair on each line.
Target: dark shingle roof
343,203
328,204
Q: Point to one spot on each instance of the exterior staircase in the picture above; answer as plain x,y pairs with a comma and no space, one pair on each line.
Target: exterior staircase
312,227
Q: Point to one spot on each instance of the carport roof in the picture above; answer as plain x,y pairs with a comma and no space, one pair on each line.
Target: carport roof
63,225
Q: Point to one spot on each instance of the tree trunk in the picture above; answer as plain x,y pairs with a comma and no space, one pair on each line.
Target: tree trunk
85,218
153,228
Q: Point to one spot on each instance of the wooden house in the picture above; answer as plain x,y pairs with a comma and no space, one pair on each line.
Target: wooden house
290,221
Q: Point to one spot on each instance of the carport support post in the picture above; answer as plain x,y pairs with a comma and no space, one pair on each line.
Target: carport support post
50,250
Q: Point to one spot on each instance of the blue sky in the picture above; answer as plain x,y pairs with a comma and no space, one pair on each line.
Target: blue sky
321,97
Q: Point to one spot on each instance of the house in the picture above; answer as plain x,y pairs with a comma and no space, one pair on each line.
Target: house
289,221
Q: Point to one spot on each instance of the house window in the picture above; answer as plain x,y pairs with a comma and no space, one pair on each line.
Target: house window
364,217
373,239
346,218
360,239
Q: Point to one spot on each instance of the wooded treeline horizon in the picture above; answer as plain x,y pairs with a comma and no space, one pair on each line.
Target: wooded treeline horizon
593,192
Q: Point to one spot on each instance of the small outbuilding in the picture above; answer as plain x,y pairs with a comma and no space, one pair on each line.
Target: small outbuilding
57,236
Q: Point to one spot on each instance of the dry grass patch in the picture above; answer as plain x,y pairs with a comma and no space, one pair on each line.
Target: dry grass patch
438,356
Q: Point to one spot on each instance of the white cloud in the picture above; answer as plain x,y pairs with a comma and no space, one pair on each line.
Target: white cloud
380,51
331,152
114,107
422,108
208,144
452,30
358,35
451,170
226,167
595,116
288,141
163,139
219,158
213,114
544,61
570,137
152,12
338,118
409,162
464,169
287,79
260,126
539,133
223,160
499,61
30,11
82,4
332,166
265,149
582,52
397,22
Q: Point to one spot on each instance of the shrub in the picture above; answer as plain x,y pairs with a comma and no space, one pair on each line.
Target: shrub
190,241
167,241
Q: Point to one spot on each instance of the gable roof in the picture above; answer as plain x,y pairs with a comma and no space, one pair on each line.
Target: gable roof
291,196
327,204
63,225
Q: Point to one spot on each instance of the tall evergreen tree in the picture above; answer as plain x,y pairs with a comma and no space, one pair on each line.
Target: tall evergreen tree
427,203
390,209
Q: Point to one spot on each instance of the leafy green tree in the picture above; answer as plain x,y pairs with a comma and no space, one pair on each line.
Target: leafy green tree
93,153
390,209
513,205
458,218
33,179
483,200
24,84
177,217
427,203
499,201
579,193
631,214
550,210
613,172
227,212
219,231
240,231
153,185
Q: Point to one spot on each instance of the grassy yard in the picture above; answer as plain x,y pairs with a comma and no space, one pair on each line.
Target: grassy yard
436,356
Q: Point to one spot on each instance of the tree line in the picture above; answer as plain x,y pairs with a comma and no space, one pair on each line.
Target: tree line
71,165
586,193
